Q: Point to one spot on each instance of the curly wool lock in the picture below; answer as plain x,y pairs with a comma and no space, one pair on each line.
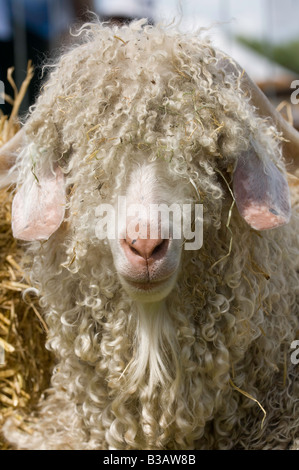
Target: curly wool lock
159,376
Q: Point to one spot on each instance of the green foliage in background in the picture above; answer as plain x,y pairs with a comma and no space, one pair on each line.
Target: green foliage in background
286,54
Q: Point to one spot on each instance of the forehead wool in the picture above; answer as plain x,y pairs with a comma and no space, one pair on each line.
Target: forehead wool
151,89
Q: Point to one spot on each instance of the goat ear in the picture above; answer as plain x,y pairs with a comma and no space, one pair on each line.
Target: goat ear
261,191
8,155
38,207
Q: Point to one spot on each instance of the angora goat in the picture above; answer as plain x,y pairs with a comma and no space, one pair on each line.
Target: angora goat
158,346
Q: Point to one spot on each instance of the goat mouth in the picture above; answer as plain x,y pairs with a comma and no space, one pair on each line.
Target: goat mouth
148,285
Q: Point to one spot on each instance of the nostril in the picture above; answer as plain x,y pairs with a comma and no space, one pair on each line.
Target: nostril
136,252
159,248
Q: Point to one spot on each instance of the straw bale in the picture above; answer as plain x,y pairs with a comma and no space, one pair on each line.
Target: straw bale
25,364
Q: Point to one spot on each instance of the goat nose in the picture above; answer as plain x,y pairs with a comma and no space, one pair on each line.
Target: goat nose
145,248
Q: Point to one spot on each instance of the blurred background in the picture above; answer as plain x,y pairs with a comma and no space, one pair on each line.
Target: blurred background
262,35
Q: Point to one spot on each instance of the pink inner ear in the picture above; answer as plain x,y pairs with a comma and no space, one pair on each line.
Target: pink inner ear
261,192
38,209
